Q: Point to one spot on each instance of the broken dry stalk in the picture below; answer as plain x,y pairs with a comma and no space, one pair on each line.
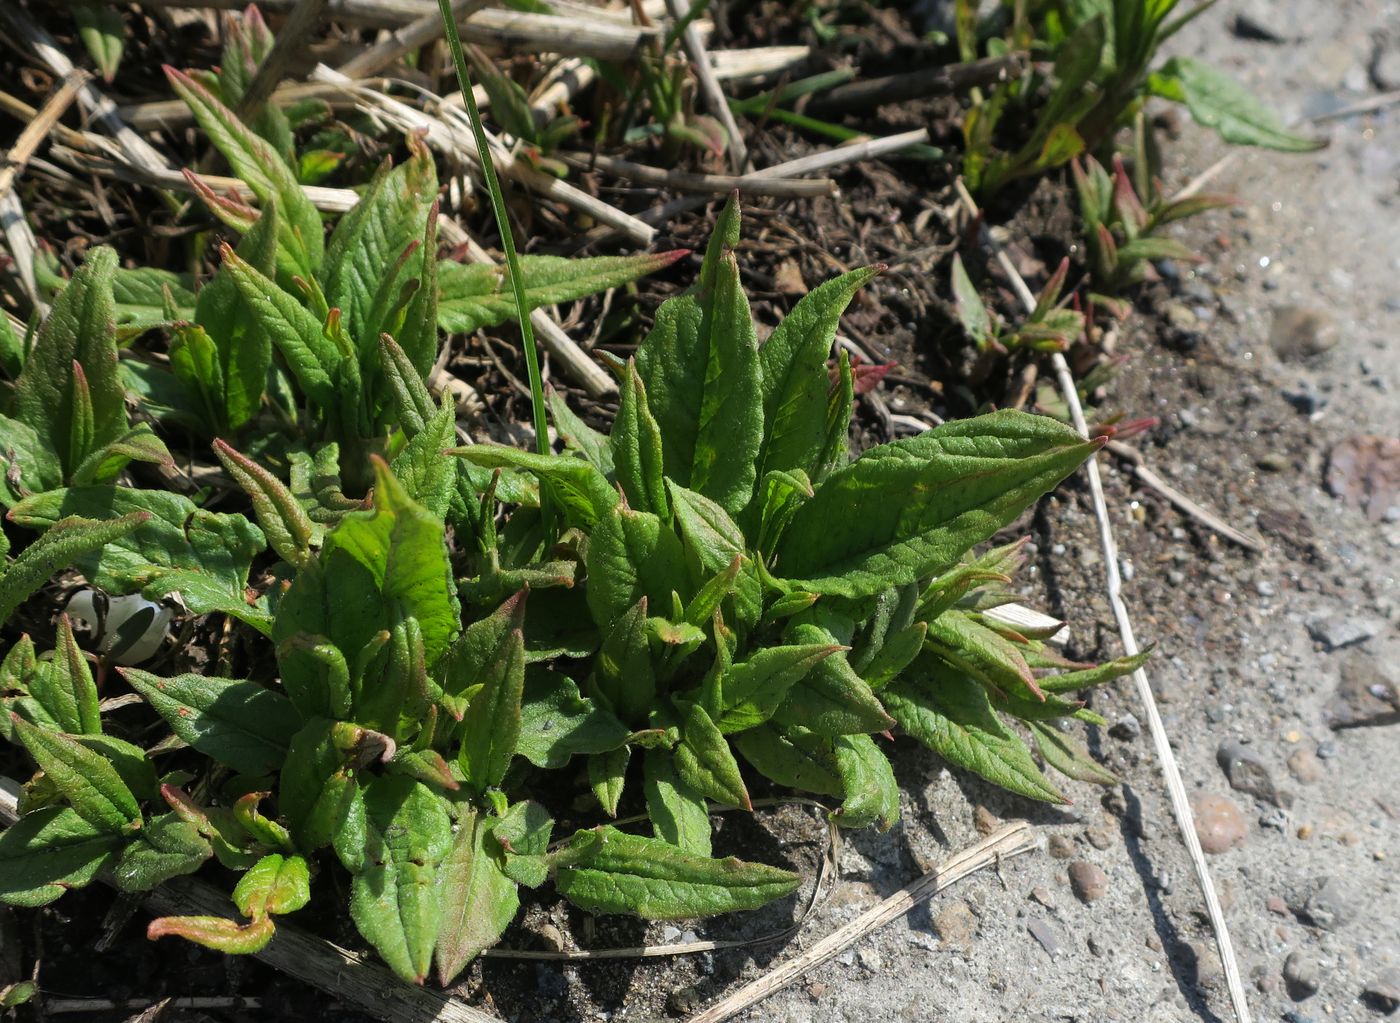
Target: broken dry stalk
709,84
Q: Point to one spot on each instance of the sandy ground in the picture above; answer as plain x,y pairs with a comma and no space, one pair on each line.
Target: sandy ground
1251,409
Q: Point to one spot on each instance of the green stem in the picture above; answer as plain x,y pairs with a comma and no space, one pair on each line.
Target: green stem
498,205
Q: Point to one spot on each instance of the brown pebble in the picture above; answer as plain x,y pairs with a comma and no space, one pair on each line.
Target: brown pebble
956,924
1042,895
984,820
551,937
1099,838
1219,824
1088,880
1276,905
1304,765
817,989
1305,832
1061,847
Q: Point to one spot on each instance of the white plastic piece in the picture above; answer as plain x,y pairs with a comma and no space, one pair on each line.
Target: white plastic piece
128,630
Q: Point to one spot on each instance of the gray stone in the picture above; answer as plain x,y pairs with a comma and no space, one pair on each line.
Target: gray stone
1043,932
1247,772
1330,906
1337,631
1299,333
1365,695
1126,728
1301,975
871,960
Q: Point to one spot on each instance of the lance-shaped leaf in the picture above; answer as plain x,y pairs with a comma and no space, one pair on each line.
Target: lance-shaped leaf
704,762
90,784
577,435
404,549
793,757
831,699
607,776
581,489
983,653
522,833
166,847
1067,755
363,255
318,788
478,295
701,370
232,363
301,244
68,540
631,555
478,900
216,932
65,687
556,722
104,462
870,790
242,725
678,814
950,713
312,356
620,873
395,900
795,378
49,851
753,689
491,727
623,674
976,321
176,547
81,329
289,530
1218,101
907,510
716,540
428,476
636,447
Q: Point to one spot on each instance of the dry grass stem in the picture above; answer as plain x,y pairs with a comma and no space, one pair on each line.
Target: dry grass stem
38,128
714,184
937,81
1009,841
709,85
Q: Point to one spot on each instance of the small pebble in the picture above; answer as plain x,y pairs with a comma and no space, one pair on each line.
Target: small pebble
1099,837
1088,880
984,820
1126,728
1330,906
1042,932
1061,847
1304,765
1246,771
1338,631
1383,993
871,960
1219,824
1275,905
1301,975
956,924
1042,895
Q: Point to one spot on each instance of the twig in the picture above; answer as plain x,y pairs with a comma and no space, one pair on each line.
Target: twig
340,973
938,81
1011,840
413,35
757,61
39,127
63,1006
1361,106
709,84
22,245
291,38
714,184
1201,514
513,30
1181,808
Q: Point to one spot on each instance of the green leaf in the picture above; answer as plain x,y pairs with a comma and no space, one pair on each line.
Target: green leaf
831,699
951,715
871,792
623,674
28,464
715,541
234,373
318,791
607,775
636,447
705,764
523,833
276,884
1067,755
478,900
66,542
579,436
364,271
793,757
556,722
621,873
581,489
103,463
404,549
679,814
907,510
479,295
103,34
166,847
701,369
418,333
301,243
395,900
174,547
1218,101
492,725
85,779
49,851
65,687
216,932
81,329
753,689
795,381
429,477
976,321
240,724
631,555
289,530
145,296
983,653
